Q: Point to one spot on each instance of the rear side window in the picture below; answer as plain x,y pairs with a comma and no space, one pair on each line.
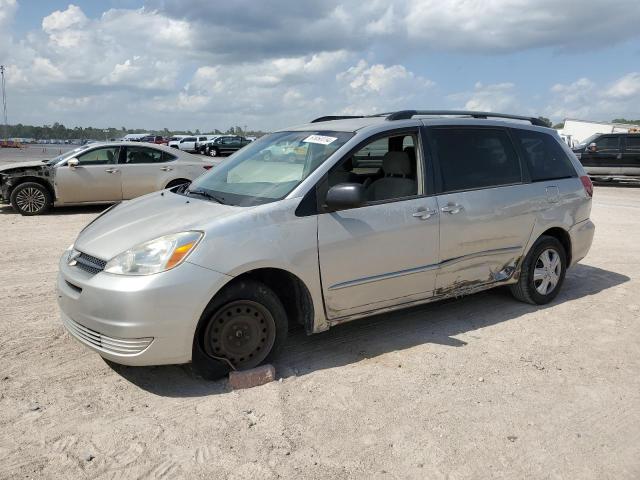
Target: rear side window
544,156
633,143
475,158
143,155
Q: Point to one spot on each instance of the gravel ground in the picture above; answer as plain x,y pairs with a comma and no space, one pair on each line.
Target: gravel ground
481,387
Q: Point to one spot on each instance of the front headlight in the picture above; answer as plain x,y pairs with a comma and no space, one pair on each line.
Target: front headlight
155,256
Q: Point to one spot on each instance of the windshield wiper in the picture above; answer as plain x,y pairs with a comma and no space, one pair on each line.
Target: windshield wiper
206,195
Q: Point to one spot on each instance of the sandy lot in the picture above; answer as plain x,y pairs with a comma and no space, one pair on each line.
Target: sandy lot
482,387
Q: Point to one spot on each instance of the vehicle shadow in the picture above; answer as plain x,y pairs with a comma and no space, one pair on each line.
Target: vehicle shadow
82,209
369,337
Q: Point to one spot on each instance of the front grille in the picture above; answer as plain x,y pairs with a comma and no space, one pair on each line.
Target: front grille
117,346
90,264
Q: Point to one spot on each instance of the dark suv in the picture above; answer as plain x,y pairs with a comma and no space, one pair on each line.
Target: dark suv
610,155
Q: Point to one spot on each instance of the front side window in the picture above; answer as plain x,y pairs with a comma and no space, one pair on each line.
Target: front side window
99,156
268,169
386,167
544,156
608,144
136,155
189,139
472,158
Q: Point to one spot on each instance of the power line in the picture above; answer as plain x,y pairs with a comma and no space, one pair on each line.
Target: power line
4,102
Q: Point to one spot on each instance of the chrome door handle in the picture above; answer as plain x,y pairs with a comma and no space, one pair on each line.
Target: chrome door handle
112,170
452,209
425,214
166,169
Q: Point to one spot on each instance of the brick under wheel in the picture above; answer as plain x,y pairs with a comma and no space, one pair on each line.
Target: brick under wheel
30,198
245,324
543,272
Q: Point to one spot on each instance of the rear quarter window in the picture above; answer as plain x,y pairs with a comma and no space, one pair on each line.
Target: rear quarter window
545,158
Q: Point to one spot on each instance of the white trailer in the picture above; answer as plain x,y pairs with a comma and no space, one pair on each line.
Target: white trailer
577,131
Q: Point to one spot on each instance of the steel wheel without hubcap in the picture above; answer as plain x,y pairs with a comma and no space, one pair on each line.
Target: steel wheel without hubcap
243,332
31,200
548,269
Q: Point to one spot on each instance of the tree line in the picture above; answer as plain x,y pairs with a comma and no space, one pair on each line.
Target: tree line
59,132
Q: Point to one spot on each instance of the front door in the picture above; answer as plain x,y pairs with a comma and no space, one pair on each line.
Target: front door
485,215
384,253
607,157
96,178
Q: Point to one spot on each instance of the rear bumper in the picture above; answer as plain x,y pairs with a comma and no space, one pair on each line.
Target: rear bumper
581,239
144,320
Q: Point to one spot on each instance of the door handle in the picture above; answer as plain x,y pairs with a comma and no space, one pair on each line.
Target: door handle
112,170
452,208
425,214
166,169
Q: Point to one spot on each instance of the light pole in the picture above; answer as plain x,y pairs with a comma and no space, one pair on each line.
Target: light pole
4,102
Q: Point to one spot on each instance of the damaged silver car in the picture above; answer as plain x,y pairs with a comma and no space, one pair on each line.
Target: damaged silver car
324,223
96,173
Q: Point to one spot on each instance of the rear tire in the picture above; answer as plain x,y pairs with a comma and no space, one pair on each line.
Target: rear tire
30,198
542,273
246,324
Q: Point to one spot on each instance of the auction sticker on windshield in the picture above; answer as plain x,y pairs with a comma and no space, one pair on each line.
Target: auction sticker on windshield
321,139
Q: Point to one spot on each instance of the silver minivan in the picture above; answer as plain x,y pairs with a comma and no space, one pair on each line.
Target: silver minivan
324,223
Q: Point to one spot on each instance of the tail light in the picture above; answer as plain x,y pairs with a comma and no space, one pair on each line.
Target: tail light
586,183
207,167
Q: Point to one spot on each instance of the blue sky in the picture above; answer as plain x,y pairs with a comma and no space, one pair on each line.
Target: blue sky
203,64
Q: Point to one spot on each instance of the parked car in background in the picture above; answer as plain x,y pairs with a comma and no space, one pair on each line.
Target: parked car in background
96,173
175,140
157,139
191,143
223,145
382,213
607,156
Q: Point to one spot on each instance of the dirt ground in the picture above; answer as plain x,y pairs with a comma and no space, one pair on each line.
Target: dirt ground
481,387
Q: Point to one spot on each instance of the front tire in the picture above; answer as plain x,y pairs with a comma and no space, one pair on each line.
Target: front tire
246,325
542,273
30,198
214,152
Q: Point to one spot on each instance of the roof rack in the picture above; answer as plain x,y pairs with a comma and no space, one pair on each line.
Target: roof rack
335,117
406,114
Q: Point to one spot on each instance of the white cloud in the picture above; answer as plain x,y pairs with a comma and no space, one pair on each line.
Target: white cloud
586,99
73,16
496,97
626,87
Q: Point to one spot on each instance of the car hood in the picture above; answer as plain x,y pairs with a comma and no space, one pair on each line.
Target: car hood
146,218
17,166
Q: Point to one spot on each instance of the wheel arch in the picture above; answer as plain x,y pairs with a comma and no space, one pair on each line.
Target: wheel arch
177,181
35,179
563,237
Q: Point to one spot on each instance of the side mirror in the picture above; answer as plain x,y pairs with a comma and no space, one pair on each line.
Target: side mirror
345,195
73,162
592,147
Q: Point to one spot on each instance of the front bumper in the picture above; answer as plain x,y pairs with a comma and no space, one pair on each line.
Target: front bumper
136,320
581,235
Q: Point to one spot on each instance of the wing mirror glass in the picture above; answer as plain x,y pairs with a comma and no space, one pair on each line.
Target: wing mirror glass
592,147
73,162
345,195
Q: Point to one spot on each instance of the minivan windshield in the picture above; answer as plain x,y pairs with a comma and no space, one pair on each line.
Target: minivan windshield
269,168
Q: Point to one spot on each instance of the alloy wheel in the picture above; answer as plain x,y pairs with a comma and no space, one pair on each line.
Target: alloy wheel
31,200
547,271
